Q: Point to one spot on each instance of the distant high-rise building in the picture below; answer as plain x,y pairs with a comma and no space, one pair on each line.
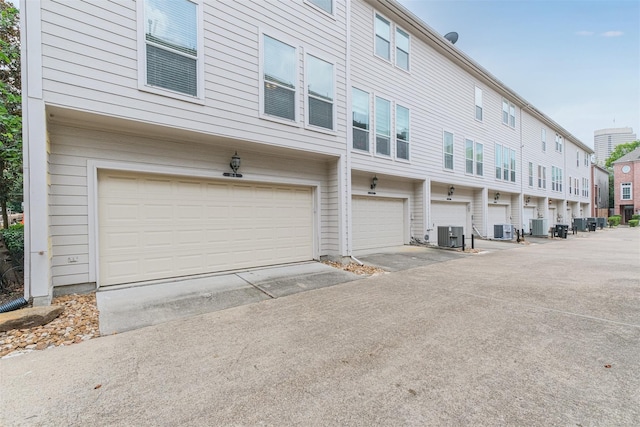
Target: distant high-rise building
606,140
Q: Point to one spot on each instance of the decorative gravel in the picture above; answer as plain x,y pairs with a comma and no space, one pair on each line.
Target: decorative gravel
362,270
78,322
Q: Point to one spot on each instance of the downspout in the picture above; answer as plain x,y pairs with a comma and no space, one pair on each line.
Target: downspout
347,232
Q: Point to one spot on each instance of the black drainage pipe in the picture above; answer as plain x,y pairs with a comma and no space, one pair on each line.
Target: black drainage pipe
13,305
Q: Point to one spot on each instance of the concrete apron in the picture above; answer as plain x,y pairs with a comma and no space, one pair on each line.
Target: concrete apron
127,308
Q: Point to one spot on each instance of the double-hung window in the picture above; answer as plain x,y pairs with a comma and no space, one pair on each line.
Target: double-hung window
474,157
625,191
279,79
508,113
468,156
505,163
542,176
570,185
543,137
556,179
173,56
559,143
498,157
402,49
360,119
447,148
577,158
513,165
530,174
383,126
383,37
478,96
320,92
402,132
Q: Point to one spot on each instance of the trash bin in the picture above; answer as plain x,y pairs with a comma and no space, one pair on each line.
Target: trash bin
562,230
592,225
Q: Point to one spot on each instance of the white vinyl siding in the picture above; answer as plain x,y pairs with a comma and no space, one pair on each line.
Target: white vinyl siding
320,87
402,132
172,48
279,79
382,37
447,148
360,119
383,126
478,99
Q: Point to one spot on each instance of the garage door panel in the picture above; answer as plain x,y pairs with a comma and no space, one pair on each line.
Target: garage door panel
377,222
497,215
153,228
448,214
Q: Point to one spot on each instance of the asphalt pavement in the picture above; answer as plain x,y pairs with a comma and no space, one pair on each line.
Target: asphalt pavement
536,334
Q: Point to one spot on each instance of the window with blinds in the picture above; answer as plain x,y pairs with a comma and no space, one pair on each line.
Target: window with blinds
320,92
402,132
383,126
448,150
279,79
171,39
360,119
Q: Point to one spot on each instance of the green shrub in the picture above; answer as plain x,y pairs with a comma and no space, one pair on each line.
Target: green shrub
633,222
635,216
614,220
14,241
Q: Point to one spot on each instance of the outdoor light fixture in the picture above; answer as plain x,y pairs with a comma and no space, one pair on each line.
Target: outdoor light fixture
496,198
235,165
527,200
451,190
374,184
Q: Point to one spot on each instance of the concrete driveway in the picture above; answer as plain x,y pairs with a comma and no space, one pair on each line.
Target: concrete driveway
538,335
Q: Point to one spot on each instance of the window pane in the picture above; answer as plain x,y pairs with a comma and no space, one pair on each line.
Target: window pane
382,28
383,117
383,145
326,5
320,113
505,112
498,161
360,139
279,101
172,23
448,150
360,114
478,113
172,71
402,150
512,116
402,123
513,165
279,62
505,163
320,76
382,48
402,59
402,40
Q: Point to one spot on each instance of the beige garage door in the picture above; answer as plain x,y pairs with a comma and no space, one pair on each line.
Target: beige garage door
446,214
497,215
156,226
377,222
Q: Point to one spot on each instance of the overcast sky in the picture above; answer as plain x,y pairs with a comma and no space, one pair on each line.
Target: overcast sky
576,61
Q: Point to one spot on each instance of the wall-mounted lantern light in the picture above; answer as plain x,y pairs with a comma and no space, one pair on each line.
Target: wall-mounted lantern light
451,190
527,200
496,198
234,165
374,184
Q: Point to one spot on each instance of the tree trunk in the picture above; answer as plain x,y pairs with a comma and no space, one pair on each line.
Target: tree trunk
5,217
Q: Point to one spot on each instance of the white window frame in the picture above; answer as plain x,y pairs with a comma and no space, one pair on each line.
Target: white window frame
331,14
481,162
468,159
478,103
395,50
623,186
391,126
570,185
577,158
395,133
445,154
542,176
306,94
377,15
559,143
510,111
142,58
543,137
531,174
370,131
498,152
296,98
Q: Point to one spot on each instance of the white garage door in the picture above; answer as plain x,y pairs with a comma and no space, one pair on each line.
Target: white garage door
446,214
529,214
156,226
553,219
377,222
497,215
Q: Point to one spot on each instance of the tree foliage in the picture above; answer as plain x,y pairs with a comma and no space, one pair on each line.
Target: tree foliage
10,109
621,150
